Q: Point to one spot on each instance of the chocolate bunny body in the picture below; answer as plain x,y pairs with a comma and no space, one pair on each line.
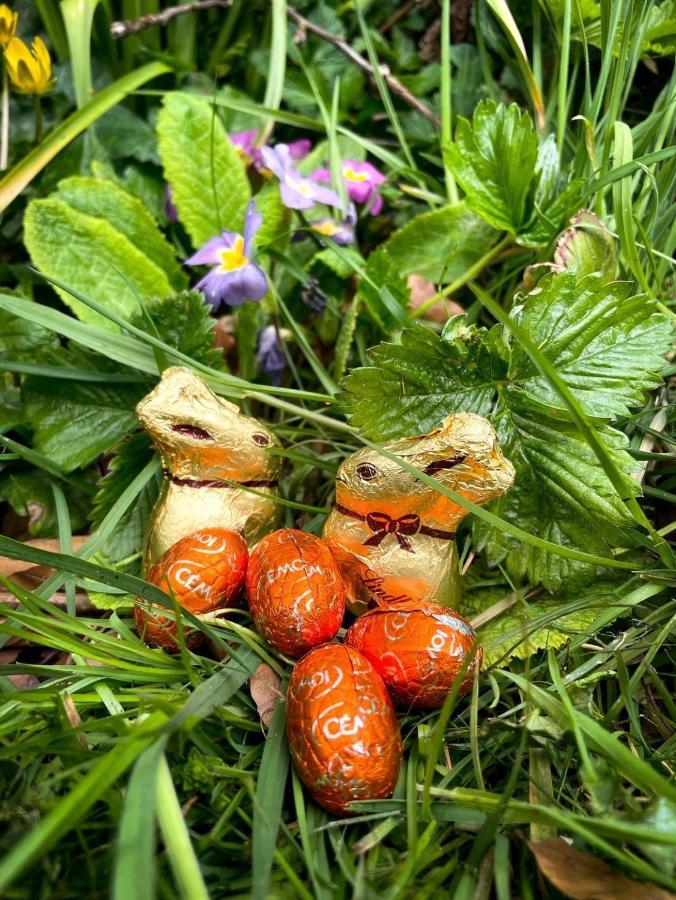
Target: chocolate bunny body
393,535
211,454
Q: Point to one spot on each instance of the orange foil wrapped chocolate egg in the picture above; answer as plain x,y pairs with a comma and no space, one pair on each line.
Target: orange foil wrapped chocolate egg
295,590
203,571
418,649
342,728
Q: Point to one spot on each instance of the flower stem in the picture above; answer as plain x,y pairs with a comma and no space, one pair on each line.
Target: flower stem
4,138
38,119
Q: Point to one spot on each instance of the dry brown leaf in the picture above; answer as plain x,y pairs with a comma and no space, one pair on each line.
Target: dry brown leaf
73,716
10,567
585,877
24,682
421,290
264,687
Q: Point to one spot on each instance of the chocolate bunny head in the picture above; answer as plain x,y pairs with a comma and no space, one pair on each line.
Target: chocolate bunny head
201,436
462,453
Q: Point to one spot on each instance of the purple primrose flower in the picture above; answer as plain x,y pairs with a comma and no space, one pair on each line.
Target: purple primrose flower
233,278
245,144
362,181
341,233
299,149
298,192
269,354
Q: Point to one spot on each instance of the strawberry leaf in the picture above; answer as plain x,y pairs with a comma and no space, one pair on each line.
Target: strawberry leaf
606,344
494,159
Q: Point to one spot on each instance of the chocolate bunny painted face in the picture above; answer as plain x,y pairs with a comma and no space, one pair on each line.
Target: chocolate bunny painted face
202,436
463,453
393,533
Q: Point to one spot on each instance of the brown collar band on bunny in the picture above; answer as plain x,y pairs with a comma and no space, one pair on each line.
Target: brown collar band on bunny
381,525
214,483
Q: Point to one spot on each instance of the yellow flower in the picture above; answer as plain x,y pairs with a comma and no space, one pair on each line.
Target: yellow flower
8,21
30,71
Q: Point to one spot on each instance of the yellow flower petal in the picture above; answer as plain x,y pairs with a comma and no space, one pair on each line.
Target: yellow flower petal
16,52
29,71
8,23
42,55
233,258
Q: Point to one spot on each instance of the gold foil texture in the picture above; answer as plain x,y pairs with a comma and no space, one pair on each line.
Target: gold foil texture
213,457
393,535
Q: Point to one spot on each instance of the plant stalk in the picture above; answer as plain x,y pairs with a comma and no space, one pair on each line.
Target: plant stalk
4,139
38,119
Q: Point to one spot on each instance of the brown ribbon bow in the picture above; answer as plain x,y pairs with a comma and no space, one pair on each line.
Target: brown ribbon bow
381,524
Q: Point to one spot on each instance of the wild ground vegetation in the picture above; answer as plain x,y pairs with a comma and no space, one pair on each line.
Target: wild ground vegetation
490,228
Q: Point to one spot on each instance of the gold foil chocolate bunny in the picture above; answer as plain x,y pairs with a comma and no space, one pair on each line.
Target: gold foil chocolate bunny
210,454
394,536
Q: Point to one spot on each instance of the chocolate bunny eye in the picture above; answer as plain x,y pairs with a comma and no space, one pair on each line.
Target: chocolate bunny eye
367,471
261,439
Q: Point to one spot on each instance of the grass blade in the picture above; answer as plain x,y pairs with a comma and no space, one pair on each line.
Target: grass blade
502,13
636,770
134,866
78,16
446,97
75,805
268,802
274,87
179,848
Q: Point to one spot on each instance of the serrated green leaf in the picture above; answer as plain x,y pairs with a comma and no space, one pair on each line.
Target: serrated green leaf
566,467
93,257
606,343
22,340
552,215
11,407
517,631
493,158
561,493
274,229
30,495
74,422
342,262
345,337
209,181
414,384
125,134
384,289
441,244
129,534
109,201
184,322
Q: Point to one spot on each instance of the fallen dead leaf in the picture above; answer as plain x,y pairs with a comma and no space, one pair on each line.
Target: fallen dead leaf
24,682
264,687
73,717
421,290
585,877
10,567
